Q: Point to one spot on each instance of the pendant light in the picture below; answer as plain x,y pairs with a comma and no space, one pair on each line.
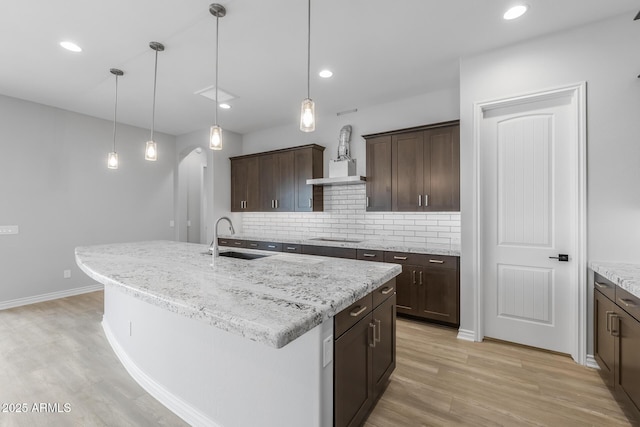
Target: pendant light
151,149
112,159
307,111
215,134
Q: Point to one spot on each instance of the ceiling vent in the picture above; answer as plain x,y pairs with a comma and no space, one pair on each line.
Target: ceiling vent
210,92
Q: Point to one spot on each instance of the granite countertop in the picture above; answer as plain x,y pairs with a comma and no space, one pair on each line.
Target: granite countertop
380,245
272,300
625,275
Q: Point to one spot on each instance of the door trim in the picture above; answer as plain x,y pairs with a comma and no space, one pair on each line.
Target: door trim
579,291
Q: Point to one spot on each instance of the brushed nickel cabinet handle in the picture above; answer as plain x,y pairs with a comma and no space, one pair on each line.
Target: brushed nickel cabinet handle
310,203
426,200
255,245
367,201
420,283
377,336
357,313
271,246
419,199
387,290
402,258
627,302
372,343
413,276
369,255
237,243
223,242
615,332
291,248
436,261
609,313
601,285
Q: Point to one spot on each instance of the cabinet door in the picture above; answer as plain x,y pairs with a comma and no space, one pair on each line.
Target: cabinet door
441,181
353,387
438,294
384,351
407,171
285,181
308,165
627,361
268,173
252,200
238,184
407,290
603,339
379,174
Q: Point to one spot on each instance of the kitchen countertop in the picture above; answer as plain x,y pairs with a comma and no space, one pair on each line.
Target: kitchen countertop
625,275
272,300
380,245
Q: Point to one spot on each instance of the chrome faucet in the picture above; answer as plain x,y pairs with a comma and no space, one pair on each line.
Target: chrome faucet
213,247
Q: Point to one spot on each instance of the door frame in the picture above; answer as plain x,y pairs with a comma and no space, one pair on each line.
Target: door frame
579,291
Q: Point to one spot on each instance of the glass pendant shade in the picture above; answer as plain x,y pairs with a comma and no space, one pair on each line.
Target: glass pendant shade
151,151
215,138
307,116
112,160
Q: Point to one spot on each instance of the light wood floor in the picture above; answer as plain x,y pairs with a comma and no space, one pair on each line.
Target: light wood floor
56,352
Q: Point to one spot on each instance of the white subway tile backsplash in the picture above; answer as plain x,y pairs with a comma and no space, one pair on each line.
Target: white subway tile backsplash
345,216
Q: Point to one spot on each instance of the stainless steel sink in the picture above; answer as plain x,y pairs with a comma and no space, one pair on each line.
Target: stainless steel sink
335,239
242,255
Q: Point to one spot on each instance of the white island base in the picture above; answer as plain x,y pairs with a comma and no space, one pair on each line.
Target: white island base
210,377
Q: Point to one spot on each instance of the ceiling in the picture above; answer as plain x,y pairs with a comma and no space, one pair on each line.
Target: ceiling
379,51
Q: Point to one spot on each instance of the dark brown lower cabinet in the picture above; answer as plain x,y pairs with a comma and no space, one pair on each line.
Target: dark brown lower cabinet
407,290
617,344
364,357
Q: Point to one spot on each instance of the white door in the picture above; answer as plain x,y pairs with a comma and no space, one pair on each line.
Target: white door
528,209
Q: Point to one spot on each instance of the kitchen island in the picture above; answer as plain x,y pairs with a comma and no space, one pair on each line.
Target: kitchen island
231,343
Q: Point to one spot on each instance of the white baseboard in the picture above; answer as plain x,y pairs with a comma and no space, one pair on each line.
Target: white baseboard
466,335
591,362
50,296
178,406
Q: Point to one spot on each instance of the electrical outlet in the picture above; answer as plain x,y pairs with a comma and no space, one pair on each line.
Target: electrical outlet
66,274
9,229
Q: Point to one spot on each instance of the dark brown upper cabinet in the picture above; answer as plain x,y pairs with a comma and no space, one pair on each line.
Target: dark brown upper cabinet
422,168
275,181
379,173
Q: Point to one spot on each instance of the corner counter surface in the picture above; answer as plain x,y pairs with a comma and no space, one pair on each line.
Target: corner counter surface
272,300
625,275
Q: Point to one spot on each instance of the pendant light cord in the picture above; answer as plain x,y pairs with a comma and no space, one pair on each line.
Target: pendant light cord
153,110
308,49
215,121
115,115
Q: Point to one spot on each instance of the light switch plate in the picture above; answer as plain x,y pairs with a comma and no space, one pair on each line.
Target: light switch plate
327,351
9,229
66,274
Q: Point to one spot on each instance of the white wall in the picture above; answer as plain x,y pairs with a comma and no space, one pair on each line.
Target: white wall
423,109
605,55
54,184
217,191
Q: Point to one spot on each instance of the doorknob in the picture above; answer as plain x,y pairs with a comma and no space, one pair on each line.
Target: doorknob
561,257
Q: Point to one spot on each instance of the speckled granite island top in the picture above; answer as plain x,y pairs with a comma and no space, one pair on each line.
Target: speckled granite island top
627,276
272,300
380,245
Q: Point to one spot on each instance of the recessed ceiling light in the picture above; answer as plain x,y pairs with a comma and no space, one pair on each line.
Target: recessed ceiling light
515,12
325,74
71,46
224,106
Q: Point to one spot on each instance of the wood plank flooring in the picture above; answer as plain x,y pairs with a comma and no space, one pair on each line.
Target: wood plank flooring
56,352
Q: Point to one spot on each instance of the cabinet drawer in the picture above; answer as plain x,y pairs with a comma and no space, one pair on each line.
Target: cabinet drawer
436,261
628,302
605,286
349,253
369,255
352,314
237,243
383,292
265,246
292,247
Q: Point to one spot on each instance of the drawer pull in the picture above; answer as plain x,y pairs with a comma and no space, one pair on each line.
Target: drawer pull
601,285
237,243
369,255
357,313
223,242
627,302
255,245
436,261
401,258
271,246
386,291
291,248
